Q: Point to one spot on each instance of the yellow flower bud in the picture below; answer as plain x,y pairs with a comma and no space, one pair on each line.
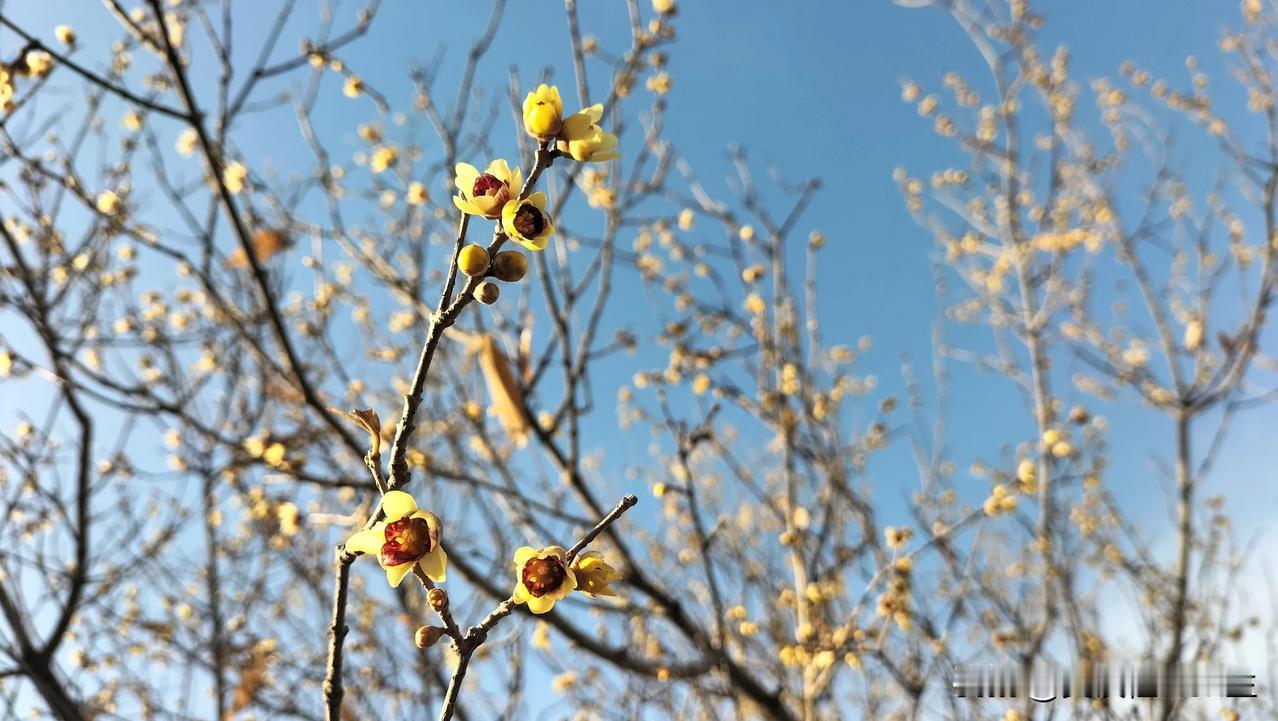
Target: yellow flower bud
543,112
473,260
438,599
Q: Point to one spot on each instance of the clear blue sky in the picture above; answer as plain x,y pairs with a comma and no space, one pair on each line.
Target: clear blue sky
813,88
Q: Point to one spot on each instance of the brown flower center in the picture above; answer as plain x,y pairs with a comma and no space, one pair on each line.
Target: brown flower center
407,540
488,184
544,575
529,221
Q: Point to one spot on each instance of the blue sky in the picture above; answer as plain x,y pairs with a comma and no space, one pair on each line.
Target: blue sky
814,89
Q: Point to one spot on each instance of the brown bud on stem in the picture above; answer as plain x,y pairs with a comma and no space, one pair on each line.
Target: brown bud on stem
438,599
428,636
487,293
510,266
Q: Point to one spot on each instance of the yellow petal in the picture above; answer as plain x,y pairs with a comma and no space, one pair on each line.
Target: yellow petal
369,540
432,521
395,574
466,175
521,594
541,605
577,127
435,564
499,169
524,554
397,504
516,181
464,206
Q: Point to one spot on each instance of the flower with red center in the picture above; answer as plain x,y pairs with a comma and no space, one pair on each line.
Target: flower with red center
542,576
486,193
526,221
407,539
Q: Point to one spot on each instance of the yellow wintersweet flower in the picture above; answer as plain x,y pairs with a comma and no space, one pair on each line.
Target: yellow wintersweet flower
543,112
383,158
583,139
542,577
107,202
233,177
526,221
407,539
486,193
594,574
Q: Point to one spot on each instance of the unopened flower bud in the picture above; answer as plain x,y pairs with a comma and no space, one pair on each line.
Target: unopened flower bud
473,260
487,293
438,599
510,266
427,636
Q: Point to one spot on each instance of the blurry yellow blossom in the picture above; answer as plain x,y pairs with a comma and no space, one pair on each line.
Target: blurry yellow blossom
39,63
108,202
686,219
897,537
354,87
64,34
659,84
1193,335
186,142
290,518
233,176
407,539
383,158
416,194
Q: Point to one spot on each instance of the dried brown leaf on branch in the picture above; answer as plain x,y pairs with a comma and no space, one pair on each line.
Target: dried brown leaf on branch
266,243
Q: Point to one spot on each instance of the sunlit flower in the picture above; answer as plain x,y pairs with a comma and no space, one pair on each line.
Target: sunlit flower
416,194
526,221
64,34
407,539
39,63
583,139
354,87
107,202
383,158
486,193
659,84
594,574
543,112
187,142
233,176
542,577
